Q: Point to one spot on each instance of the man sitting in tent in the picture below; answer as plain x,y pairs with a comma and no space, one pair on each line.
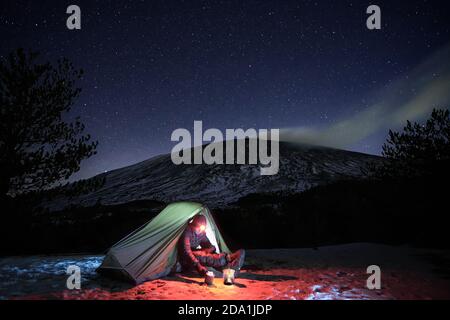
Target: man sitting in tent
191,257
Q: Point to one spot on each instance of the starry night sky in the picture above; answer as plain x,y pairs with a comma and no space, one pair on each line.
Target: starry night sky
154,66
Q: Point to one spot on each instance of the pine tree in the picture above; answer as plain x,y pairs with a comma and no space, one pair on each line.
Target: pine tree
39,148
421,149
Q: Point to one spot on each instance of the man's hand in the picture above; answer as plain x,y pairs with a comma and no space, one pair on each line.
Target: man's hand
201,269
211,250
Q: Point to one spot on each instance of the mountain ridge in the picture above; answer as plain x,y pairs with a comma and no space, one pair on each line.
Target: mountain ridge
157,178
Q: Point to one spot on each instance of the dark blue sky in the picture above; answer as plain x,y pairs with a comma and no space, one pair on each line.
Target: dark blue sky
154,66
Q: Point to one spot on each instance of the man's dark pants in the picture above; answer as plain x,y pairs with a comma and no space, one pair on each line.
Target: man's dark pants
215,260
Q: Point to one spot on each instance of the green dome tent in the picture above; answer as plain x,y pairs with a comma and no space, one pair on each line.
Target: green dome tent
150,252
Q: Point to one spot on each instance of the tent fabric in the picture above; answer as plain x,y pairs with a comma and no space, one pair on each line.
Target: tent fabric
150,252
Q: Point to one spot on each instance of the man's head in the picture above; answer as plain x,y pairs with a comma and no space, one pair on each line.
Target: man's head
198,224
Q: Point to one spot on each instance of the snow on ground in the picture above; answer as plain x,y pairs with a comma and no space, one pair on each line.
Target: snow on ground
331,273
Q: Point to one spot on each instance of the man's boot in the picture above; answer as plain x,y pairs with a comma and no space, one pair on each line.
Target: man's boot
237,260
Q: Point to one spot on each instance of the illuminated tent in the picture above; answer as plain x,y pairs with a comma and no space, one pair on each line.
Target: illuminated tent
150,252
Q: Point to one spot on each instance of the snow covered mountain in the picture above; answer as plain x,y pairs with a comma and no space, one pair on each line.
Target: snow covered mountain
301,167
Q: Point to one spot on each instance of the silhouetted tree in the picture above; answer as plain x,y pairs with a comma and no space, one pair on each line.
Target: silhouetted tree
421,149
39,147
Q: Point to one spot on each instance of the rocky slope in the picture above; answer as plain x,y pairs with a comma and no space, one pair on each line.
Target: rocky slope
301,167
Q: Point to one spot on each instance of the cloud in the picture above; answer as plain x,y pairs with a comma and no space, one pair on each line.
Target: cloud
411,97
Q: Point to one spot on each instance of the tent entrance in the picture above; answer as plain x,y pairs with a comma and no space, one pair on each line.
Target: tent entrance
150,252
